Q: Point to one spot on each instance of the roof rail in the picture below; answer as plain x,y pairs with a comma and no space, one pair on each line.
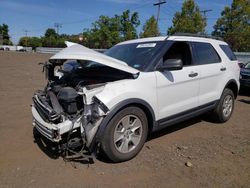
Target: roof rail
197,35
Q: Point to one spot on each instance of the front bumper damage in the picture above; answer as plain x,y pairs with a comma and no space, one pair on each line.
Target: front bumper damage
53,131
67,132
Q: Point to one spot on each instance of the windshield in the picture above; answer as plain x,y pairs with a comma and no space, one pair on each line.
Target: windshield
247,66
136,55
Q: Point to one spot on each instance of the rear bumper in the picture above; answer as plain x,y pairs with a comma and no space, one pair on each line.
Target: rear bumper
50,130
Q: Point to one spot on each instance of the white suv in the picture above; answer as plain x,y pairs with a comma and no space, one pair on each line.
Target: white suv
114,100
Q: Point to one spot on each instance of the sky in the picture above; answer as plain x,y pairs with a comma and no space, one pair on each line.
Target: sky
35,16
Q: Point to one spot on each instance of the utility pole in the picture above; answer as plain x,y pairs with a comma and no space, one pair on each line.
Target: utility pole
1,38
26,35
204,12
57,26
159,8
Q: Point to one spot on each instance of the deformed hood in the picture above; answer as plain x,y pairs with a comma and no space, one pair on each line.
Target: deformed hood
79,52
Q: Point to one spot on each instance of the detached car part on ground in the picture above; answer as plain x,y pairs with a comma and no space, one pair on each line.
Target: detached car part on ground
113,100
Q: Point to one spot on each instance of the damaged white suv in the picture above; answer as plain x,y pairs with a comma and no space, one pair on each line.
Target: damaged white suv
114,100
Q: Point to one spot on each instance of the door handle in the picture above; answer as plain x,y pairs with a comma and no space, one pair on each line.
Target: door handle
193,74
223,68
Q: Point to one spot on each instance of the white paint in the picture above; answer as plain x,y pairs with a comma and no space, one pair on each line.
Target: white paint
146,45
79,52
168,92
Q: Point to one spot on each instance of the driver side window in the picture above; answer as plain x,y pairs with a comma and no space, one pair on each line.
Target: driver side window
179,50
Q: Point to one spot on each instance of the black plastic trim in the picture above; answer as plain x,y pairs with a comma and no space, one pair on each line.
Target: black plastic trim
177,118
157,125
197,35
232,81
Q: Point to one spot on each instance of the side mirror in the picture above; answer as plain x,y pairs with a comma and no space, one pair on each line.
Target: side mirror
171,64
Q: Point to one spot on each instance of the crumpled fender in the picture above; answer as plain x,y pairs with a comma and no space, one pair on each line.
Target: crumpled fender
117,95
98,136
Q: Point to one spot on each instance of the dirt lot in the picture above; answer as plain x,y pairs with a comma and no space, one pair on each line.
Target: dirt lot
219,153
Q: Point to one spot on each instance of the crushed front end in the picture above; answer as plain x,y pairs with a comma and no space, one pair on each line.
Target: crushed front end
69,118
67,112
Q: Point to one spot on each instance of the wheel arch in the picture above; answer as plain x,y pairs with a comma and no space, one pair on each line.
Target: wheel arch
232,84
148,110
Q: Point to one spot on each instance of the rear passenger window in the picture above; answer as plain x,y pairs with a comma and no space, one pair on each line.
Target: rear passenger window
205,53
227,50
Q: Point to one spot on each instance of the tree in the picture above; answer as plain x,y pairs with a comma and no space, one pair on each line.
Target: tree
105,32
129,22
50,38
108,31
30,42
234,25
4,35
24,41
50,33
35,42
49,42
88,40
189,20
150,28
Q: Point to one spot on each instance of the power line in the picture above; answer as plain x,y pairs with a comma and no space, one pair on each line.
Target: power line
36,30
171,9
138,7
91,18
59,25
159,8
204,12
166,13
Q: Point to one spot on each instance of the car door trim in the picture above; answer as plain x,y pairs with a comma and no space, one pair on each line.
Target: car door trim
182,116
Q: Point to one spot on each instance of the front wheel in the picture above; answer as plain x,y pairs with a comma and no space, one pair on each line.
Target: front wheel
225,107
125,134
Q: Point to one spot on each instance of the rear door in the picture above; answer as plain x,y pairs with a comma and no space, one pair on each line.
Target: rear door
212,71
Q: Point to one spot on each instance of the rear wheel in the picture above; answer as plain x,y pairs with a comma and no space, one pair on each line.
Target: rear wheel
225,107
125,134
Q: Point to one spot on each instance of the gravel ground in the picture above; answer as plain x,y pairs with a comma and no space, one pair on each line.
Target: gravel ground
196,153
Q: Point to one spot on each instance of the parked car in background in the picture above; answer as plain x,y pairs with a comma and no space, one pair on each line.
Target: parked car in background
22,50
241,64
245,75
5,49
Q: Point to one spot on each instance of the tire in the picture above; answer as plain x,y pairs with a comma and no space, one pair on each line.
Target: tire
125,134
36,134
225,107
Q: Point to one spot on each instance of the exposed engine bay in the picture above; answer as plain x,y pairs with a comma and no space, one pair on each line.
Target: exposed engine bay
67,112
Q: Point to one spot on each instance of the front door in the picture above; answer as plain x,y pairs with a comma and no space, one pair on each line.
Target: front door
177,90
